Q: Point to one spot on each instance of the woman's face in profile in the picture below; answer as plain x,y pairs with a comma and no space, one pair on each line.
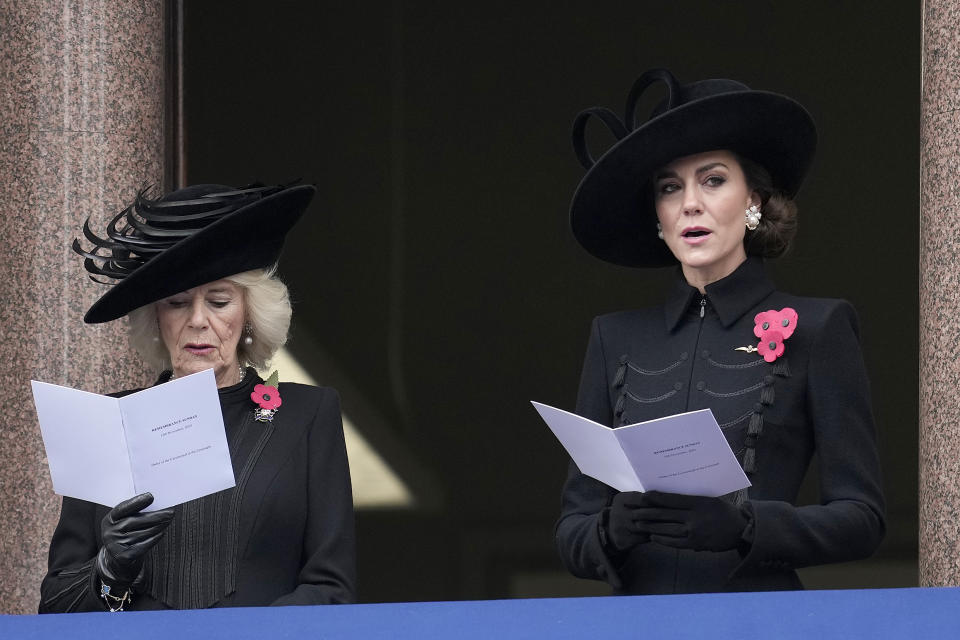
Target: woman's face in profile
201,328
700,201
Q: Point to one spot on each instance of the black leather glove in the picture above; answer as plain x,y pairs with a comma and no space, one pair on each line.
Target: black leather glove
127,536
620,527
691,522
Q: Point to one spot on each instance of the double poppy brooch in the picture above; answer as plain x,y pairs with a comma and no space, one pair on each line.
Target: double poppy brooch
267,397
772,327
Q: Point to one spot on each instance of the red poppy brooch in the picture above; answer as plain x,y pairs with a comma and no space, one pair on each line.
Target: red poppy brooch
267,397
772,327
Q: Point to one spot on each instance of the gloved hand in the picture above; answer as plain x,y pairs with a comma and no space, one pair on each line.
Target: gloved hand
690,522
127,536
621,530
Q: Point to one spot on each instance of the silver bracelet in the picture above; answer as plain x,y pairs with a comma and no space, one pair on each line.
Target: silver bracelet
118,600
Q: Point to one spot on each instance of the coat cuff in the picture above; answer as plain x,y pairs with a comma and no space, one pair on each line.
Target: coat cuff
609,561
756,558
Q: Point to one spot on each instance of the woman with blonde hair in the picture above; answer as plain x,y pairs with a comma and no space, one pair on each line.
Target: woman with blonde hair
194,270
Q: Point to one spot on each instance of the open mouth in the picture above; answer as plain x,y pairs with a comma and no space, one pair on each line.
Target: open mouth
695,233
198,348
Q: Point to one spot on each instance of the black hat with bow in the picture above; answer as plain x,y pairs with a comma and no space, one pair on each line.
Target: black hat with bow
613,215
192,236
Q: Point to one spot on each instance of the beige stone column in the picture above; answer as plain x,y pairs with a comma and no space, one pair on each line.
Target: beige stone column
940,295
81,127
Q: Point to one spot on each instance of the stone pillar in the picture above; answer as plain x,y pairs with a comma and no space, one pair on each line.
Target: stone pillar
940,296
81,127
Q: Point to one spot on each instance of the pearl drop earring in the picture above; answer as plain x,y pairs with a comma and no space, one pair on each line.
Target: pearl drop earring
659,231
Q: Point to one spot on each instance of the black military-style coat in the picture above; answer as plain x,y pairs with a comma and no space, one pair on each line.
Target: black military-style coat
814,398
284,535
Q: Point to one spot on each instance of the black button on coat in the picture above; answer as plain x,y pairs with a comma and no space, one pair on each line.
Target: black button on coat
815,398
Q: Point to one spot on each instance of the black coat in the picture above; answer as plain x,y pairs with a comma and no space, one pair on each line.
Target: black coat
815,398
284,535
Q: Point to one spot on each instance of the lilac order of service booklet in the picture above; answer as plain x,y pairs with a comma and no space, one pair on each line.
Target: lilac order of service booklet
683,453
168,440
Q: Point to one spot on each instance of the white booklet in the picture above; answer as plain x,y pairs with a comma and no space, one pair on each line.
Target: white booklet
684,453
168,440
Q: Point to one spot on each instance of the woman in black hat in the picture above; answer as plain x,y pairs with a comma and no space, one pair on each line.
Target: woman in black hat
708,182
194,271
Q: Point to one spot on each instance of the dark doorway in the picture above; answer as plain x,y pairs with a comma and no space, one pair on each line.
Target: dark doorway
436,281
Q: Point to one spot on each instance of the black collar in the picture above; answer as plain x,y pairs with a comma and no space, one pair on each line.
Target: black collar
730,297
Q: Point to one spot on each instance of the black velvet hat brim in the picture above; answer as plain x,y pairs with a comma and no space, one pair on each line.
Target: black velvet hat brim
249,238
612,213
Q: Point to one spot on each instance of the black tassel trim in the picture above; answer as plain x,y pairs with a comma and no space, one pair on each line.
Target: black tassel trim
754,430
781,368
766,395
756,424
621,373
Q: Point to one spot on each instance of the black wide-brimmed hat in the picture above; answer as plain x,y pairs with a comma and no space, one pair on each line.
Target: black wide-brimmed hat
612,214
199,234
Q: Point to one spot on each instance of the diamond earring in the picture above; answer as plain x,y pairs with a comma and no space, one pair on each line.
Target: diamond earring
248,334
752,217
659,231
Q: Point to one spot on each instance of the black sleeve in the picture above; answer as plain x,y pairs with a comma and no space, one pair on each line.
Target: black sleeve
71,582
328,575
848,524
577,531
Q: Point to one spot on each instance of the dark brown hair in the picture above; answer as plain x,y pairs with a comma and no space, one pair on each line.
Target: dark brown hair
778,222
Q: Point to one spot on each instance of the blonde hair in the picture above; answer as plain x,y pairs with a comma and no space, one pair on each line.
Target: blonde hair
266,303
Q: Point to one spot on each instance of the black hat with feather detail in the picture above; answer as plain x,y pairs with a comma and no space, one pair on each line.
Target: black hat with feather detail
156,248
612,214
